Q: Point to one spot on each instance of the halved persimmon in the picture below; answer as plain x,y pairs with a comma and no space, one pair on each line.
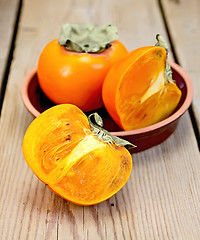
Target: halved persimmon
78,160
137,91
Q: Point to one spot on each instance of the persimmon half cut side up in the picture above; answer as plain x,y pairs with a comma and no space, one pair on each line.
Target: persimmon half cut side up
62,150
136,91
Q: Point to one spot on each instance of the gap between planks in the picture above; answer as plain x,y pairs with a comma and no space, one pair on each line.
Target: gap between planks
176,59
10,55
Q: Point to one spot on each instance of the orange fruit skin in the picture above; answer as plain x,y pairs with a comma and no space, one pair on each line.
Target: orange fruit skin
63,152
128,81
70,77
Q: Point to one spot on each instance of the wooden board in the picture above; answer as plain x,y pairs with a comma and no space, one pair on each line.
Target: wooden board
183,20
8,12
161,198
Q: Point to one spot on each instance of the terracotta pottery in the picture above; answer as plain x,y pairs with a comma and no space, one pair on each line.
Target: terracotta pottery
36,102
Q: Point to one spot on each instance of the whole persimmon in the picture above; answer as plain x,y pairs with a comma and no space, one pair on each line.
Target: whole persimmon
72,69
138,91
75,157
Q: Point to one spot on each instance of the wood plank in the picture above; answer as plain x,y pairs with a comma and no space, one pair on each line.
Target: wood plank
8,12
161,198
183,19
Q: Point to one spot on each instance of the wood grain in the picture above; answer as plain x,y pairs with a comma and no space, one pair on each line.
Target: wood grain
8,12
183,20
160,200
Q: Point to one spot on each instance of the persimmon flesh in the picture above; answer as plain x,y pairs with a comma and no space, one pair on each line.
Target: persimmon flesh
61,149
136,92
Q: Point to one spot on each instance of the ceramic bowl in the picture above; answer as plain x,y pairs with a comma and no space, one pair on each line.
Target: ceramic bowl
36,102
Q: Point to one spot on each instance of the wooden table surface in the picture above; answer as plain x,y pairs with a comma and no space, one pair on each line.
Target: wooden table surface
161,200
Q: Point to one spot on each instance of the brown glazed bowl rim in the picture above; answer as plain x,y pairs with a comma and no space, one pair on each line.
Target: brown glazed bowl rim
177,114
24,92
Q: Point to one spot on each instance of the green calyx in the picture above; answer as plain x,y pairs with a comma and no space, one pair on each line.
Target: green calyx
87,38
162,43
104,135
